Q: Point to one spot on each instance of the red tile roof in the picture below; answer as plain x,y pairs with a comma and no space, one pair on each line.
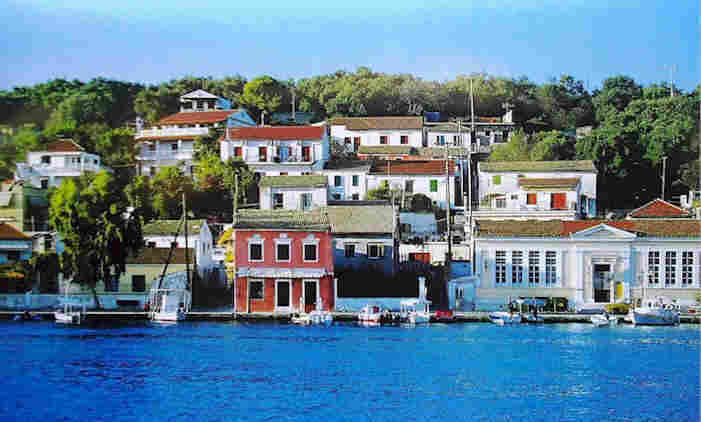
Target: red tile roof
64,145
564,228
305,133
7,232
411,167
659,209
193,117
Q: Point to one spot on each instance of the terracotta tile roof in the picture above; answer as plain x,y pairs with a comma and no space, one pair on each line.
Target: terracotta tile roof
193,117
167,138
564,228
562,182
385,149
382,123
411,167
304,133
315,220
159,256
7,232
659,209
64,145
346,219
307,180
538,166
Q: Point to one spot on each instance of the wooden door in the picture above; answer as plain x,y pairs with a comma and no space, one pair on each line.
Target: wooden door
309,296
282,299
558,201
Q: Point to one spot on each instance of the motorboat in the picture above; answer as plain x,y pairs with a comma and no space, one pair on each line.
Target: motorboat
68,315
168,308
26,316
370,313
415,311
655,311
503,318
604,320
317,316
443,316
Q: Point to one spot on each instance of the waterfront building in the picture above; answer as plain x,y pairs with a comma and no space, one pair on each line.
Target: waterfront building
293,192
427,177
536,190
347,179
14,245
379,137
162,234
58,160
587,261
277,150
284,260
364,237
170,141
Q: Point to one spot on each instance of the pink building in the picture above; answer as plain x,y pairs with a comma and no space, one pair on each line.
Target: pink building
284,261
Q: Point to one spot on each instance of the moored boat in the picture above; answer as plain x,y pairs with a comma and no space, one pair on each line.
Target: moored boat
604,320
504,318
655,311
370,313
68,315
415,311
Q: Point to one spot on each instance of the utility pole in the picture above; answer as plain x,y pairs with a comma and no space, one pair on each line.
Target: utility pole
664,170
187,255
469,178
671,68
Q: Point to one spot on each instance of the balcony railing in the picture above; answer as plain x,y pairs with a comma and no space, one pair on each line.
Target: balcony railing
174,131
183,154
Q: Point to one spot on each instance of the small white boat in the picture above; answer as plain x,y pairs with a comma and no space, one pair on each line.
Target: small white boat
503,318
415,311
370,313
532,319
168,308
68,315
603,320
317,316
655,311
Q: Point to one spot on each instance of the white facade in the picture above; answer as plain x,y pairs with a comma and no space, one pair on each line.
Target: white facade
347,184
45,169
601,264
292,198
202,243
273,157
376,137
433,186
156,154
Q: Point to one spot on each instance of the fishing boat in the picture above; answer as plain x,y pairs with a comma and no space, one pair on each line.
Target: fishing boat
370,313
317,316
68,315
415,311
655,311
604,320
504,318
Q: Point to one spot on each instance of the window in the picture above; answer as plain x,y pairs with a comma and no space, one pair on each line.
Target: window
533,267
238,152
283,252
337,181
336,196
409,186
138,283
283,173
516,267
174,146
486,133
150,244
349,249
687,268
500,272
441,140
550,267
152,147
255,289
500,202
306,154
306,200
44,183
670,268
496,179
48,243
255,252
310,253
531,199
277,201
456,140
434,185
45,159
383,139
347,140
376,251
404,139
262,154
514,197
355,196
653,267
356,180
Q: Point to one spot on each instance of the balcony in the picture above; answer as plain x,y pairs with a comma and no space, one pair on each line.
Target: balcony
183,154
174,131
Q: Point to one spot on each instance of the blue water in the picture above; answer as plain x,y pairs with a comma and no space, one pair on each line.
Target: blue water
273,372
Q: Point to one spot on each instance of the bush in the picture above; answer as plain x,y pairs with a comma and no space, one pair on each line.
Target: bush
617,308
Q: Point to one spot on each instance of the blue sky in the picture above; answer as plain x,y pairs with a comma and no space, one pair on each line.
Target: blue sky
151,41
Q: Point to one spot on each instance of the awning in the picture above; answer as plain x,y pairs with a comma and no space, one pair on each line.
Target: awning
281,272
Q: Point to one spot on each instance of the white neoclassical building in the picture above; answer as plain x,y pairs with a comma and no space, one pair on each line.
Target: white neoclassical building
586,261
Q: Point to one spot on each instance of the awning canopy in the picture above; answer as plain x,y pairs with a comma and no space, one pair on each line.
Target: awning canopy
281,272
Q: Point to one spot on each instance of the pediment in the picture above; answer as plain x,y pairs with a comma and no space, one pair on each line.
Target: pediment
603,231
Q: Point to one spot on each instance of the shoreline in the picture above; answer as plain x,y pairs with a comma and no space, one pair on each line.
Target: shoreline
459,317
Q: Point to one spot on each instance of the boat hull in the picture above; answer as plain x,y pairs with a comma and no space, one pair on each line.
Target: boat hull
654,317
169,316
418,318
602,321
72,318
504,318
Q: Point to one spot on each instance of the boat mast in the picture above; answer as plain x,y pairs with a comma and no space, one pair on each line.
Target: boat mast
187,257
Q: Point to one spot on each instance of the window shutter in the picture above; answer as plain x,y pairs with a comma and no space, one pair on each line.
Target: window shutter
381,250
496,179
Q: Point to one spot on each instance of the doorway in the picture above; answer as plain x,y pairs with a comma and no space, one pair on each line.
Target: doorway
602,283
311,290
283,296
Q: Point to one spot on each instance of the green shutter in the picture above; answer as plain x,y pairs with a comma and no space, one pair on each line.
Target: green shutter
434,185
496,179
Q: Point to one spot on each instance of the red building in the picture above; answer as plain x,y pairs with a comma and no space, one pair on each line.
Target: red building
283,261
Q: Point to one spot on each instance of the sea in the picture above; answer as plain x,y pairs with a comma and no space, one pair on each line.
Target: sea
239,371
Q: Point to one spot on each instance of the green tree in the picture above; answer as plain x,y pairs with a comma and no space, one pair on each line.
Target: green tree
263,94
97,226
216,182
517,149
552,146
615,95
168,186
